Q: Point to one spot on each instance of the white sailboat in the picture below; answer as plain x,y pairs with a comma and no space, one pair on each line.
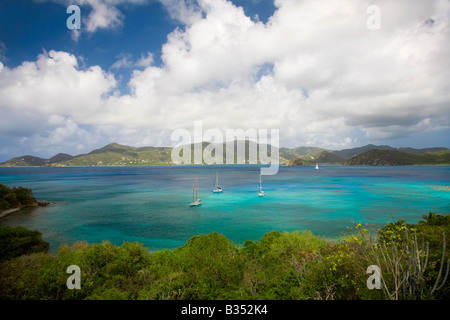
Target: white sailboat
317,166
261,192
217,188
195,201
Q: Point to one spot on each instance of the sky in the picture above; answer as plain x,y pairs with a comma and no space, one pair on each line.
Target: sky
325,73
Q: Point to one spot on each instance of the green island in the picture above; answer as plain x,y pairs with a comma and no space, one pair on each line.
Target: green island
115,154
413,259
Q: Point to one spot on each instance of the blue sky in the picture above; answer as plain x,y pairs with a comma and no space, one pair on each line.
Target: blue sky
140,69
27,27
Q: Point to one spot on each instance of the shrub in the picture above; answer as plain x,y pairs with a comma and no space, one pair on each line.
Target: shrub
17,241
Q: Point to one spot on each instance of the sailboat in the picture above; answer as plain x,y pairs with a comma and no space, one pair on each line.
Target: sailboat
317,166
195,201
217,189
261,192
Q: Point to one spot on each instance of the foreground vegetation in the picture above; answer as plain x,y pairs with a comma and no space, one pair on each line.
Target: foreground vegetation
15,197
414,262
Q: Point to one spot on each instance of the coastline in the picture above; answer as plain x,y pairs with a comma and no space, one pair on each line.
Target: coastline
4,213
7,212
281,164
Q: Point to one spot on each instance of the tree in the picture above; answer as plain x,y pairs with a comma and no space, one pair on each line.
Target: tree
430,218
211,264
17,241
15,197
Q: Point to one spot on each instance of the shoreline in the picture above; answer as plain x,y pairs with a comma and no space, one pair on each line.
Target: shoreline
281,164
4,213
7,212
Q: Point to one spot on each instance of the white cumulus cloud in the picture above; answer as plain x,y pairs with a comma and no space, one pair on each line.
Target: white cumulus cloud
314,71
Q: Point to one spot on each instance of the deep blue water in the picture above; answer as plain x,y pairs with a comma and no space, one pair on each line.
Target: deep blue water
151,204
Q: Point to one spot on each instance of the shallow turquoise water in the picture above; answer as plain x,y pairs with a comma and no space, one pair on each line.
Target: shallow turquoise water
151,204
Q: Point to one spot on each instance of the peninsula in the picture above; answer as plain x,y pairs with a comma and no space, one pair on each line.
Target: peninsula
16,199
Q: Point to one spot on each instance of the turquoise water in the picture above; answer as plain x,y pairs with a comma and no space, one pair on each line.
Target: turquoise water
151,204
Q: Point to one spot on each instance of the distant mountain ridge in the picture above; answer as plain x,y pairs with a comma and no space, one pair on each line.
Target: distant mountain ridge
33,161
348,153
115,154
379,157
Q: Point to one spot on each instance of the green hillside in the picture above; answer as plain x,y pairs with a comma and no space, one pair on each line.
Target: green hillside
25,161
324,156
304,153
378,157
230,149
119,155
32,161
348,153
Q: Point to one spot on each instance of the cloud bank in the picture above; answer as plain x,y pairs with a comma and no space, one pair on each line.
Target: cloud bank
313,70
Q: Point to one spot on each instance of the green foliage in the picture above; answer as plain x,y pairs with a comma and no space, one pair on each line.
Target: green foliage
18,241
15,197
415,258
24,196
210,265
289,265
393,233
340,273
274,264
433,219
109,294
378,157
323,156
106,266
119,155
21,277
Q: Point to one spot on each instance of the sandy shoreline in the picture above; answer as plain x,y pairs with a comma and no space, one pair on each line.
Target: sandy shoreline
4,213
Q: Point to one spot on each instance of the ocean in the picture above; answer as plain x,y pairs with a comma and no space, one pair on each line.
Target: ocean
150,204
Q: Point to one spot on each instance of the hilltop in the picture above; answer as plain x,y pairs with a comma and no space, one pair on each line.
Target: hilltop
112,154
372,155
377,157
115,154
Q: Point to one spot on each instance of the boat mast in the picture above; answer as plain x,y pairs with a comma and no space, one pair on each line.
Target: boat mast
217,179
